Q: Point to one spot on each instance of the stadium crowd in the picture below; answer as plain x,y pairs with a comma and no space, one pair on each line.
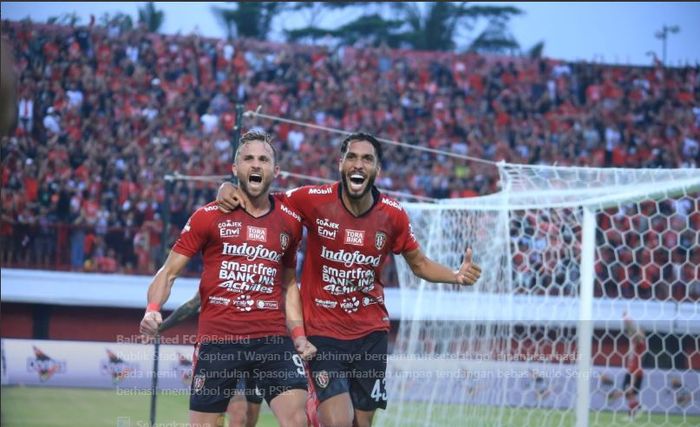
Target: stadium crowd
105,114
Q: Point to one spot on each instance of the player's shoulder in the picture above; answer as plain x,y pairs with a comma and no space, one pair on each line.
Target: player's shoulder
204,216
390,204
313,190
210,210
286,211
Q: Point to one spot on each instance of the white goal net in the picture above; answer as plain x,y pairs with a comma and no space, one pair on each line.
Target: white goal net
540,340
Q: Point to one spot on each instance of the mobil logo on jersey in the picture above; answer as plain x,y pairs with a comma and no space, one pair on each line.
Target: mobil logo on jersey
355,237
321,190
394,204
229,228
290,212
259,234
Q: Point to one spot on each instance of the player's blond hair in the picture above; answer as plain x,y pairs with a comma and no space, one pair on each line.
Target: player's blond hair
256,136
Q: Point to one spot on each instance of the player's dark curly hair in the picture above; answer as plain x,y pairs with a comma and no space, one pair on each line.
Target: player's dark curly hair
361,136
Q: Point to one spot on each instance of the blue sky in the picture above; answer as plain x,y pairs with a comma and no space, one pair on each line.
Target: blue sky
608,32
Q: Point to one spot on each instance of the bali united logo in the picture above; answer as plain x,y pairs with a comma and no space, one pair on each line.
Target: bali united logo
322,379
284,241
198,382
183,368
116,367
379,240
45,366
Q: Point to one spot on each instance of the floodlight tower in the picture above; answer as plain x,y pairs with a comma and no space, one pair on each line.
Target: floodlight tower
663,35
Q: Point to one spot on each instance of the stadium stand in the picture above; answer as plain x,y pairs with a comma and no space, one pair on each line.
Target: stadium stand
105,114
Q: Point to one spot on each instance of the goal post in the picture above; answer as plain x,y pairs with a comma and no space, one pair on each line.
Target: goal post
565,251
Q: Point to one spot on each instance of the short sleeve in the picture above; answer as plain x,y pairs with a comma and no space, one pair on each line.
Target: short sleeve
289,260
193,235
293,198
405,240
297,199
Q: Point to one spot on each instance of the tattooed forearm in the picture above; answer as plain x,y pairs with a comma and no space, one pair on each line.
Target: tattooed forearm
185,311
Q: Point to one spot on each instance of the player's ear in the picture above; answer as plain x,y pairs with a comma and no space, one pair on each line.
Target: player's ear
233,168
277,171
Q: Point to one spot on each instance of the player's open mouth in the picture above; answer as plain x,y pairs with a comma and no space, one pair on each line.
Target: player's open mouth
356,181
255,178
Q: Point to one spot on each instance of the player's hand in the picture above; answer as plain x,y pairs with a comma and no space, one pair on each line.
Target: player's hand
228,197
304,347
150,323
469,272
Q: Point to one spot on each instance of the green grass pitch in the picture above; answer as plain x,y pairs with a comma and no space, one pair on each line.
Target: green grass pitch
73,407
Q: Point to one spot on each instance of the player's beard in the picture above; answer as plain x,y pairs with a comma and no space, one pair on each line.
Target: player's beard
264,189
367,189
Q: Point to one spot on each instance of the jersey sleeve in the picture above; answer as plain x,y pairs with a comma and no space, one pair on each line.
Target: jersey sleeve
289,260
296,198
193,235
405,240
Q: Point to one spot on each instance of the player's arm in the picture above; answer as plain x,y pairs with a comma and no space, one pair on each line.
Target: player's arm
429,270
182,313
159,291
295,317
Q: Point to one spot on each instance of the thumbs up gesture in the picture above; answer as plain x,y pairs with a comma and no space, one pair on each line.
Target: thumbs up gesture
468,272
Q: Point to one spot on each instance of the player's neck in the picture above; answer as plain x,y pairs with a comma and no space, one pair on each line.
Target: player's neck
257,206
359,206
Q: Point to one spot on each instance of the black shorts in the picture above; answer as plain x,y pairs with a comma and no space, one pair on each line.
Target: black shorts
637,382
248,387
355,366
272,362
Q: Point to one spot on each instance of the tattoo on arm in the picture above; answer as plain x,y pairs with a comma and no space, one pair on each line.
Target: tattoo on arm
185,311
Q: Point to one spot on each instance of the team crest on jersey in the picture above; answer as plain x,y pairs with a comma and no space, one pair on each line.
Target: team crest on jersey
258,234
355,237
322,379
284,241
379,240
198,382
